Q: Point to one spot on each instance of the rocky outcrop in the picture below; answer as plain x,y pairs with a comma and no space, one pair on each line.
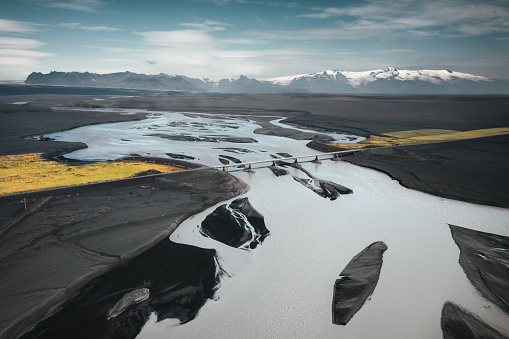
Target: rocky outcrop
357,282
236,225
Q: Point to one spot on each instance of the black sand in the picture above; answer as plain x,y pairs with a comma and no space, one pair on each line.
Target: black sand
471,170
64,241
324,188
69,236
357,282
81,233
483,257
224,224
180,279
19,121
458,323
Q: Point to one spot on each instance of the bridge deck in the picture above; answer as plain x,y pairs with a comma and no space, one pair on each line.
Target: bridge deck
315,155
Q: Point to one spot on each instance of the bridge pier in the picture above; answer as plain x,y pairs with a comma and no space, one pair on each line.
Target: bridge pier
316,161
336,157
249,169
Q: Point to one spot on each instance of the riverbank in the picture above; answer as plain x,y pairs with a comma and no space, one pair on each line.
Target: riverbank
51,252
63,241
466,170
66,237
469,170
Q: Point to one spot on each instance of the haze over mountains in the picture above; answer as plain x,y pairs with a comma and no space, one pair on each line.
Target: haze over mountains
381,81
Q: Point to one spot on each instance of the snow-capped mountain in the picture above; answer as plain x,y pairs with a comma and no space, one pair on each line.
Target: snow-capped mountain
380,81
387,80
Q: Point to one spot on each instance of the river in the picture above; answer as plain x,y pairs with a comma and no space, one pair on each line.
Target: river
283,288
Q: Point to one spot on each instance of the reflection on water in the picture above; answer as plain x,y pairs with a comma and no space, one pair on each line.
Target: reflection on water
283,289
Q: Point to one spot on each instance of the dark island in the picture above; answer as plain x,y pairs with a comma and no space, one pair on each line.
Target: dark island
357,282
50,266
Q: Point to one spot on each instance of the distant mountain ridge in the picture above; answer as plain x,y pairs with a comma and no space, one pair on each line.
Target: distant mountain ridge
113,80
381,81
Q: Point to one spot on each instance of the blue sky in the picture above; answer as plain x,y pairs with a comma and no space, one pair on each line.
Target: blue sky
256,38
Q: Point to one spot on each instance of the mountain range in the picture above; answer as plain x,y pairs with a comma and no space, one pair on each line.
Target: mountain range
381,81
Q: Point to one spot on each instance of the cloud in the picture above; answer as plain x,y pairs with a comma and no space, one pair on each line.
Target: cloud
20,27
393,51
207,25
308,34
89,28
18,43
247,2
23,54
323,13
215,2
16,64
19,56
110,50
75,5
179,38
453,18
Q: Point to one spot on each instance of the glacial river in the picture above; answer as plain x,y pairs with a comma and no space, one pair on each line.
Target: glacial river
283,288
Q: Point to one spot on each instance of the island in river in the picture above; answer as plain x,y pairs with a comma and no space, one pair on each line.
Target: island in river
96,253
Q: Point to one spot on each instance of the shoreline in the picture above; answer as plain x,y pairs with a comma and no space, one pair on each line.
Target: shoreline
68,235
88,241
471,171
94,245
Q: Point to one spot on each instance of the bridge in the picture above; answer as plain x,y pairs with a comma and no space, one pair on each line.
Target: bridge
316,156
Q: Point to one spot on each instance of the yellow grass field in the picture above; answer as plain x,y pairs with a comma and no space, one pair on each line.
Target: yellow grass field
421,136
31,172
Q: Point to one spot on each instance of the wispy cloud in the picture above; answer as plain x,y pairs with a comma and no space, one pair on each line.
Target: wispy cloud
215,2
207,25
17,60
453,18
322,13
308,34
110,50
19,27
247,2
179,38
19,55
23,54
75,25
19,43
393,51
75,5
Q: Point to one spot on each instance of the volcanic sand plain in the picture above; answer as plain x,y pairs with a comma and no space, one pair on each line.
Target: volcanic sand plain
78,233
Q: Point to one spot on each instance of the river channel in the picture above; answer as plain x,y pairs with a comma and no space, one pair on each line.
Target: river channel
283,288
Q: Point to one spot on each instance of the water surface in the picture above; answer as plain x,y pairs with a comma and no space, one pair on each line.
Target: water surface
284,287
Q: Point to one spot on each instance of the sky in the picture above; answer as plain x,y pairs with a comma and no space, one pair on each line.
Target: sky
256,38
